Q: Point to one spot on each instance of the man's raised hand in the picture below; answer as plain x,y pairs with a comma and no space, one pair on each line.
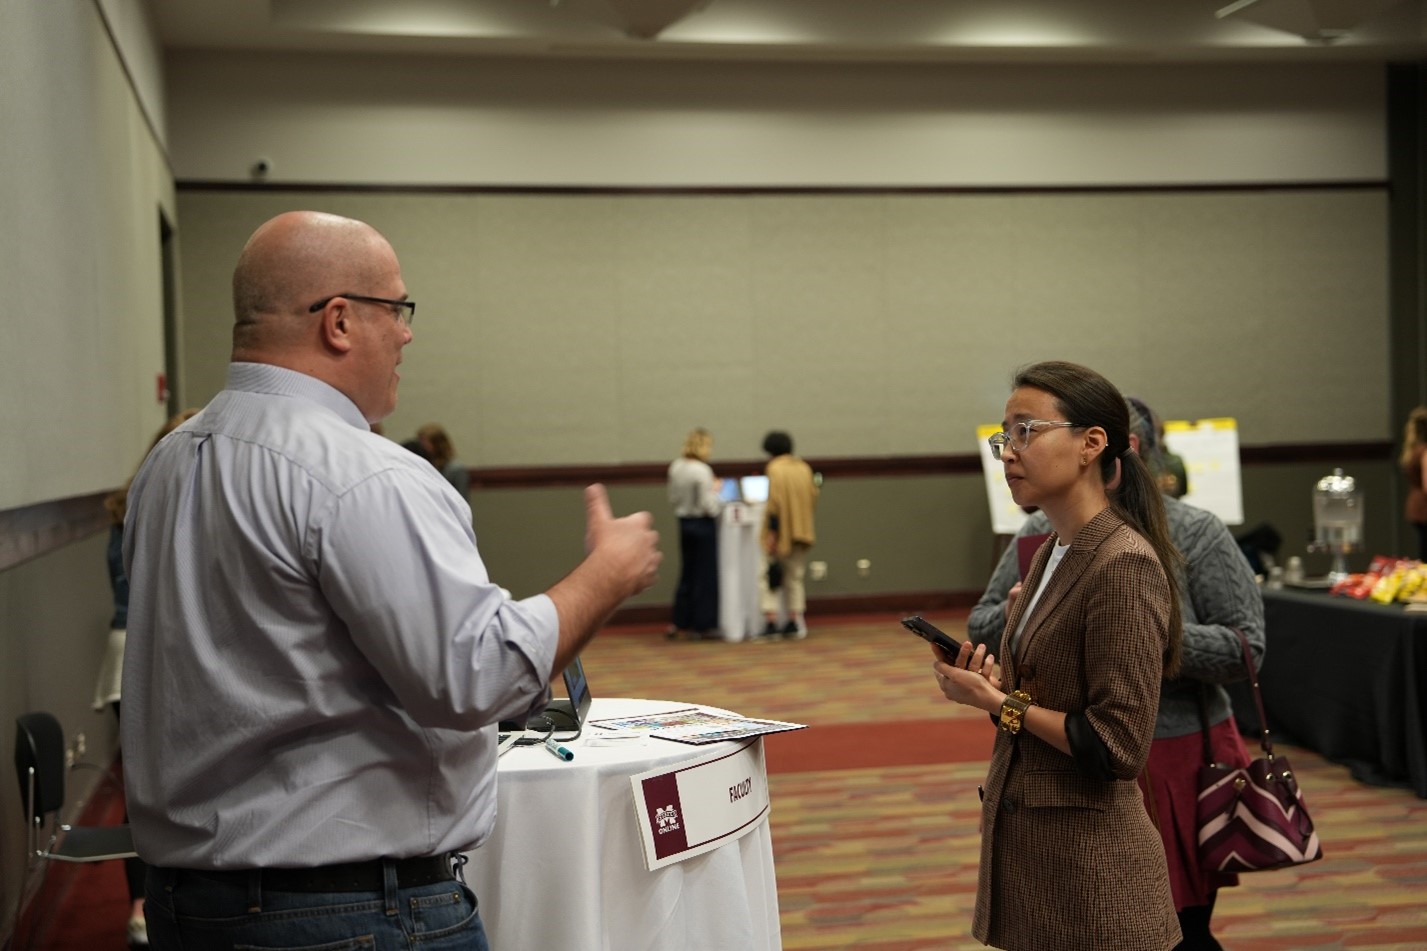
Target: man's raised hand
627,547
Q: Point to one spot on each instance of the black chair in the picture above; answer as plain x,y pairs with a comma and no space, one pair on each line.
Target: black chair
40,767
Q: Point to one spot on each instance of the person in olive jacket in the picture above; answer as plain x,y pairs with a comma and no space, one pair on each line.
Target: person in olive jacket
787,534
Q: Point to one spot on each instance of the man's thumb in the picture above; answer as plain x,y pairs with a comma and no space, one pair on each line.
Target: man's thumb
597,508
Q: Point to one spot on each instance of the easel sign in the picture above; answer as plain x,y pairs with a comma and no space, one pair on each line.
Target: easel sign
1210,450
1006,515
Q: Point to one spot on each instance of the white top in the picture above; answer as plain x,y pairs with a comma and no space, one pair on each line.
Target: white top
1056,554
692,489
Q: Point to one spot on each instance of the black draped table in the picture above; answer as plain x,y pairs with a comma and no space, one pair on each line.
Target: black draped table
1347,679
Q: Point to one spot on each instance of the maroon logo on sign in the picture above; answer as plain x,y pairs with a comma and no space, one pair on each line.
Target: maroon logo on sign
662,805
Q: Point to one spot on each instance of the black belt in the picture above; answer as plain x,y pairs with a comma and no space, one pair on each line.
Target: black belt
345,877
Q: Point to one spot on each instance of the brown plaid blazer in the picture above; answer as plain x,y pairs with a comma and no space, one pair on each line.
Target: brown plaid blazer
1069,862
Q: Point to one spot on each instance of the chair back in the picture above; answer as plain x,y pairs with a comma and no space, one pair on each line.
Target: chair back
39,745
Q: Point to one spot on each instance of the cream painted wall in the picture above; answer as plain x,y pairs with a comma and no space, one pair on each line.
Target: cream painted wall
85,179
354,118
79,256
131,27
577,329
597,328
568,328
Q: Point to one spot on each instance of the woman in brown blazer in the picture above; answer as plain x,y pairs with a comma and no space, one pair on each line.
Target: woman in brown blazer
1069,858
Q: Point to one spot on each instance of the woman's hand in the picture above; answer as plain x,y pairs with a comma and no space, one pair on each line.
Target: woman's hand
971,679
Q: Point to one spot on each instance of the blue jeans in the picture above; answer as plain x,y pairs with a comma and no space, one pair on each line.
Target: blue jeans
189,912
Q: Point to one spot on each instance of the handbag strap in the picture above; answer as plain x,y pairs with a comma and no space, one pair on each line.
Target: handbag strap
1204,724
1265,740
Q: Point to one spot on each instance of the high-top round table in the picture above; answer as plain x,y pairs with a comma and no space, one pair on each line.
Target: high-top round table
564,868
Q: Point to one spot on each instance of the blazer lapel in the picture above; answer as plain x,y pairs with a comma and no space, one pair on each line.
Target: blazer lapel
1072,566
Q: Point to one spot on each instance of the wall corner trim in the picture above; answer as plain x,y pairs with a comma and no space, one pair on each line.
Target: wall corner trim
33,530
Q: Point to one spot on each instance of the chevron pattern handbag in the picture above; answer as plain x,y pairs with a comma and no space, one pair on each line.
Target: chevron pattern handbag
1252,818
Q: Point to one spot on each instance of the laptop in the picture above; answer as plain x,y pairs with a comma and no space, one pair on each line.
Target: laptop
566,713
754,488
571,711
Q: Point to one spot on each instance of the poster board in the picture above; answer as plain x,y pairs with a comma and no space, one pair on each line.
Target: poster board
1210,450
1006,515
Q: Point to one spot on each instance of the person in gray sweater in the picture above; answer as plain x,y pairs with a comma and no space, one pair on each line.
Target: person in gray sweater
1219,594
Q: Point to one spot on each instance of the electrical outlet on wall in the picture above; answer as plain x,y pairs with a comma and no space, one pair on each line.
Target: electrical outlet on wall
75,752
817,570
864,567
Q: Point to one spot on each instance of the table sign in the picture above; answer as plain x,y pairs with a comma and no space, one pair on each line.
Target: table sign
700,804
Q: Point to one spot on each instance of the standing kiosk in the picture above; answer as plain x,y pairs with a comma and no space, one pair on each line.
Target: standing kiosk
739,561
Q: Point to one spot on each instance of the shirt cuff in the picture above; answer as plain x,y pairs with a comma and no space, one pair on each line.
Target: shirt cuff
1091,755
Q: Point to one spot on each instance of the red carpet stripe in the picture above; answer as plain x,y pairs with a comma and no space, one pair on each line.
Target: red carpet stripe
870,745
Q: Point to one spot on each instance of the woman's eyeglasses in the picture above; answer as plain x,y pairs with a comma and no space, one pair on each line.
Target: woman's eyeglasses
1019,435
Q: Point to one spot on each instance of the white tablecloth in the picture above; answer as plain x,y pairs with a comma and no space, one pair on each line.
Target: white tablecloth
564,868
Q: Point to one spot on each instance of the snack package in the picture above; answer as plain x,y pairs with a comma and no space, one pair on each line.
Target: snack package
1345,586
1385,591
1359,586
1412,580
1386,580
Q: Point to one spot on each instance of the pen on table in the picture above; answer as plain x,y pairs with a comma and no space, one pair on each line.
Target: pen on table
558,751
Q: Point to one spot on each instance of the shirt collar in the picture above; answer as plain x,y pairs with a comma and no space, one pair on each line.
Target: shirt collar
279,381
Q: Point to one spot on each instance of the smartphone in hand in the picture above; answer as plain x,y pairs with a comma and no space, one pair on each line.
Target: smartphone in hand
931,634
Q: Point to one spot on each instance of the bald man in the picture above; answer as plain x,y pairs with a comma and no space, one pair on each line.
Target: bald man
317,658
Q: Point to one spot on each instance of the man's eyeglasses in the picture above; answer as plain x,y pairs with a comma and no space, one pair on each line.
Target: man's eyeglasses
403,310
1019,436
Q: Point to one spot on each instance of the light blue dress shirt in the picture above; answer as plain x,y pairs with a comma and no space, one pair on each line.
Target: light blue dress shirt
316,656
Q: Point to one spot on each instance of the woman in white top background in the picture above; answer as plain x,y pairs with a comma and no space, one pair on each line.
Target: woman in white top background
694,494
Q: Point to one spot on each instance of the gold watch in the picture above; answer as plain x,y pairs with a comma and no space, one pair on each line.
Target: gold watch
1013,710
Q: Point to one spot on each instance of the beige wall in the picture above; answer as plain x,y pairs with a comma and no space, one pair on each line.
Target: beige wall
922,534
85,180
432,120
584,329
574,329
79,256
598,327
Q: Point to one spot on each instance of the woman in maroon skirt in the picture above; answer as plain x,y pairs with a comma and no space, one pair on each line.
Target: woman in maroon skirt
1219,595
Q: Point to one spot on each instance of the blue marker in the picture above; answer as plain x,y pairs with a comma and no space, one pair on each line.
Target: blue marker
558,751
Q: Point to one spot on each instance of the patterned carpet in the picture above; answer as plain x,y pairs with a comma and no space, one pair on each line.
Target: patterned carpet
874,807
875,810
